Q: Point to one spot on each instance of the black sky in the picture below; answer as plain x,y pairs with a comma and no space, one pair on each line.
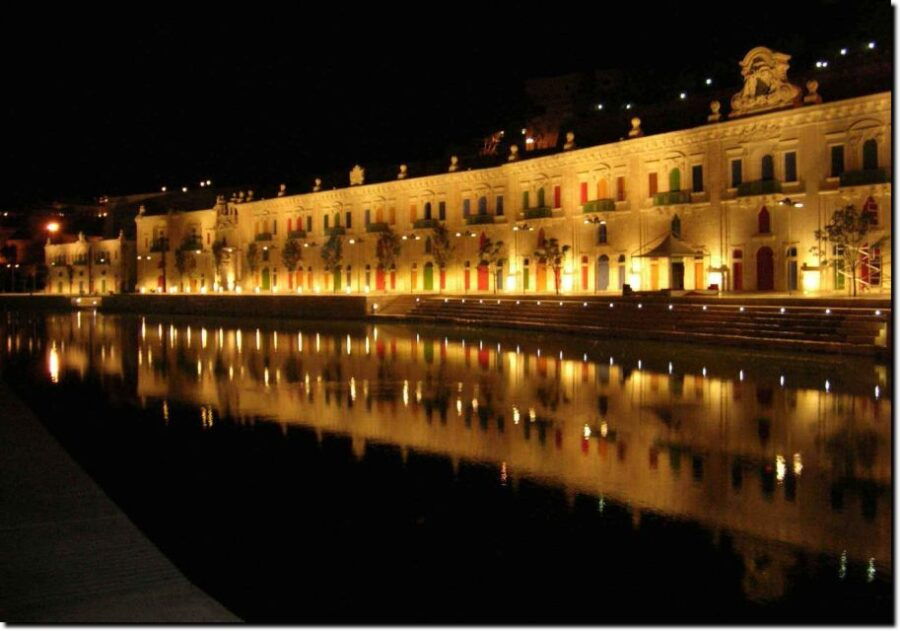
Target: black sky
124,103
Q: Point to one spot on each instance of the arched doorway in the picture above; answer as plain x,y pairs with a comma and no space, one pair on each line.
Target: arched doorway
265,279
413,277
482,277
737,268
337,278
765,269
792,277
677,272
368,285
526,275
699,276
429,277
621,271
541,277
379,278
584,273
601,279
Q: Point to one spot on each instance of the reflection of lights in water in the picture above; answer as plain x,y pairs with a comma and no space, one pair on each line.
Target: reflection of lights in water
203,337
367,345
480,343
780,468
798,464
518,350
352,389
459,386
375,333
221,337
318,342
159,331
266,376
640,364
516,416
704,371
475,404
231,373
781,380
165,411
498,347
842,569
143,329
604,429
741,375
78,318
258,340
827,386
53,364
538,352
532,415
405,392
870,571
584,357
239,340
670,368
189,337
503,475
418,392
275,340
348,343
587,431
199,367
277,375
150,356
140,357
560,355
306,382
459,407
877,392
611,361
601,504
300,342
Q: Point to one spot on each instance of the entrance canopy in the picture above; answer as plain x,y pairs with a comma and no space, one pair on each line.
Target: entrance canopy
671,247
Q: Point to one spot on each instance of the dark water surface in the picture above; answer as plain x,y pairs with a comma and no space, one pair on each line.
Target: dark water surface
327,472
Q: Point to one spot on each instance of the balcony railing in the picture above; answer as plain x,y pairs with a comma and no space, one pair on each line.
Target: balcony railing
192,243
865,176
759,187
474,220
335,231
159,245
418,224
264,236
598,205
672,197
297,234
377,226
540,212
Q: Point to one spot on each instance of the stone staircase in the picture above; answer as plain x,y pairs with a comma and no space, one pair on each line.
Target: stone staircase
797,325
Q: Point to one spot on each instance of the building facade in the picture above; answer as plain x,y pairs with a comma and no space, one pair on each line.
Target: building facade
90,265
731,205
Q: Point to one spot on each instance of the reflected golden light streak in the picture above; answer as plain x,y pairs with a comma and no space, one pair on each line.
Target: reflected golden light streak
53,364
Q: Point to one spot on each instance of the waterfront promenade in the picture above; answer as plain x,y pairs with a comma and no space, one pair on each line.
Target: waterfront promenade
69,554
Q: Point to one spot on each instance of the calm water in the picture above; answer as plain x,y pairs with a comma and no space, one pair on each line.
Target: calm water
326,472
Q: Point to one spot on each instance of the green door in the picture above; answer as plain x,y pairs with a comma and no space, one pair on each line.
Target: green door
265,279
525,278
429,277
337,279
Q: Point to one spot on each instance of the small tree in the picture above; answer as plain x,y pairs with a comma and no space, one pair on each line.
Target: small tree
218,252
441,249
185,261
551,253
846,232
291,255
333,253
489,254
252,257
387,249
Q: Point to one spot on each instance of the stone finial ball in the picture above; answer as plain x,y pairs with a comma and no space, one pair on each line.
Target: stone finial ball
454,159
812,86
715,106
514,149
635,122
570,136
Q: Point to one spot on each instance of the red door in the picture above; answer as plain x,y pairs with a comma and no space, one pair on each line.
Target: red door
482,278
443,276
738,276
379,279
393,280
765,269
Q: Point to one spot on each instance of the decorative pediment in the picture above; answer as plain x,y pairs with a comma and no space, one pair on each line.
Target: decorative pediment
357,176
766,85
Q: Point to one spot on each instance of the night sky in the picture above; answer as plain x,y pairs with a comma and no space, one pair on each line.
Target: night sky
95,106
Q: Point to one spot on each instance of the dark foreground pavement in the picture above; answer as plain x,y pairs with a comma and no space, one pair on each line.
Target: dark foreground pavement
67,553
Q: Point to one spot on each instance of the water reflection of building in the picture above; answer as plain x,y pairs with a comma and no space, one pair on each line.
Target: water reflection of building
770,464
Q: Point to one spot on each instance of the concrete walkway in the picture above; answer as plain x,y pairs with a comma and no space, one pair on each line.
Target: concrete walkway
68,554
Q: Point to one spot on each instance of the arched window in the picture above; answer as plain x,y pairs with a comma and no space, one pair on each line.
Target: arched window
427,210
540,198
601,234
763,221
870,154
676,227
675,179
737,254
621,258
337,219
482,205
768,168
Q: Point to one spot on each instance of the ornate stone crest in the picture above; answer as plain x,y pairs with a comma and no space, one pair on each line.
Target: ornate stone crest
766,86
357,175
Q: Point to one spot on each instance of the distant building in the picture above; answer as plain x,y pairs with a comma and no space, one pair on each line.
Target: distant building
90,265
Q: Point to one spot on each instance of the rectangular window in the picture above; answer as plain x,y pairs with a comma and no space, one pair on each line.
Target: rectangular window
697,178
412,213
557,197
274,226
736,173
442,210
466,208
309,223
499,205
620,188
368,216
584,192
525,201
790,166
837,161
325,222
349,215
653,184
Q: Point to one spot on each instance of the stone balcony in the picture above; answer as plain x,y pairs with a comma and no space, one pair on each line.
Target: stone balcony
420,224
263,236
758,187
377,226
297,234
598,205
476,220
672,197
336,231
539,212
864,176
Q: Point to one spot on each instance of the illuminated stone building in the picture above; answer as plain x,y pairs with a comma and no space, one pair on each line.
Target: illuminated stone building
732,204
90,265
